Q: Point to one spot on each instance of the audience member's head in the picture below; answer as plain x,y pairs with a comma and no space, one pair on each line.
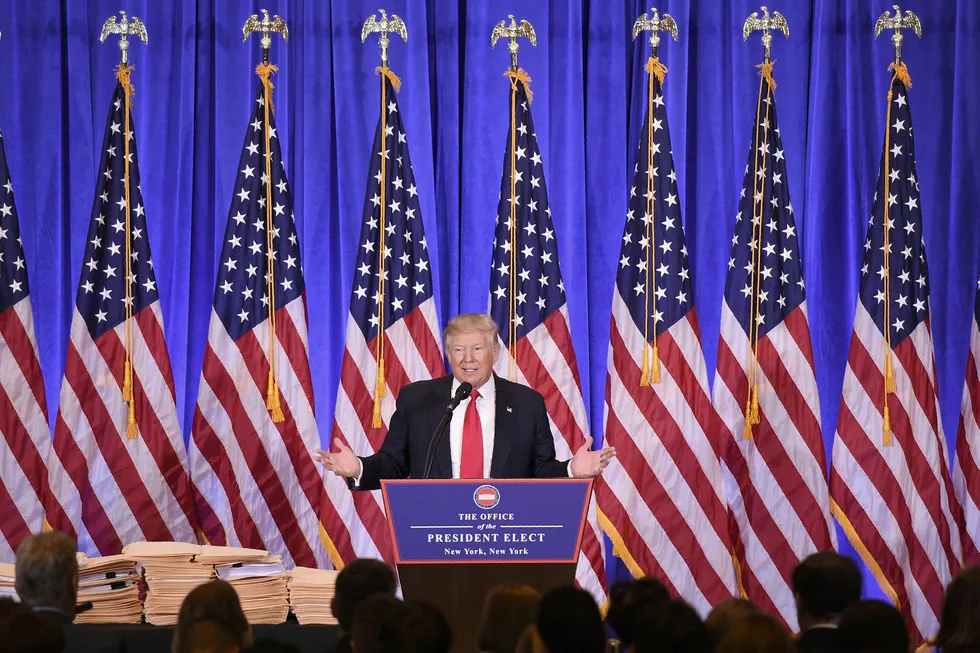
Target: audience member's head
379,625
673,627
724,615
23,631
530,641
46,572
211,619
873,627
757,633
569,622
959,625
509,610
426,629
627,599
359,580
824,585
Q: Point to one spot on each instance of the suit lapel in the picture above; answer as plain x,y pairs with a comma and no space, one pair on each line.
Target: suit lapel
443,467
503,428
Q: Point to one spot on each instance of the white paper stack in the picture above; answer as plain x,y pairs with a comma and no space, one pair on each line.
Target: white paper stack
257,577
7,581
113,587
310,593
170,573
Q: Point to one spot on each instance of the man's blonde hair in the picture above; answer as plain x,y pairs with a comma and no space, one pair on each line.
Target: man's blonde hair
471,323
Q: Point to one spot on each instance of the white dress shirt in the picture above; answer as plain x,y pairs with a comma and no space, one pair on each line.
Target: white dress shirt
486,406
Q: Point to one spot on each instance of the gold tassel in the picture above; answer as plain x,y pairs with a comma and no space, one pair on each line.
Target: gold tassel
887,427
889,375
902,72
381,387
272,399
396,82
754,405
520,75
376,413
645,370
747,431
123,75
766,73
127,388
655,68
131,425
655,367
264,71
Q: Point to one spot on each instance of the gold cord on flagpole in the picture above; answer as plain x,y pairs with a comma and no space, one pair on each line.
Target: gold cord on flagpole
123,74
381,385
755,251
650,370
272,401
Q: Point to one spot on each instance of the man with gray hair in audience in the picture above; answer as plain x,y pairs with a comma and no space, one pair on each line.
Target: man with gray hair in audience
46,576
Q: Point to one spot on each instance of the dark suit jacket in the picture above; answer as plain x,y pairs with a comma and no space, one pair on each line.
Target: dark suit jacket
523,446
818,640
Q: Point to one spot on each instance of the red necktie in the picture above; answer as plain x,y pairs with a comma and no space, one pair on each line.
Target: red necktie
471,457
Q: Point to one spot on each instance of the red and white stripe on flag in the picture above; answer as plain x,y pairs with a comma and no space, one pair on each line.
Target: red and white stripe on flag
662,499
966,468
24,425
546,362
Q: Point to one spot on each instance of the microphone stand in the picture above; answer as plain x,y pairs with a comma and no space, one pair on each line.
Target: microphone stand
434,442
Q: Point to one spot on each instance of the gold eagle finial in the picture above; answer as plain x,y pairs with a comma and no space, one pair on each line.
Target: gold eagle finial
655,25
766,24
512,32
386,25
898,22
127,26
265,26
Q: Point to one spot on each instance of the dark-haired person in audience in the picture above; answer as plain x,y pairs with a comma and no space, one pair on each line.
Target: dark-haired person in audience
23,630
824,585
211,619
507,612
673,627
46,576
569,622
873,627
379,625
959,623
757,633
724,615
358,581
627,599
272,645
426,629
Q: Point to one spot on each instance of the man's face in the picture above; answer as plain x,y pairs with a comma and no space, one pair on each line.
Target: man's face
472,356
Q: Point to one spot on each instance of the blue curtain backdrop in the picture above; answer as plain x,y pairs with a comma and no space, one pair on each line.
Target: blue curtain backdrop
195,82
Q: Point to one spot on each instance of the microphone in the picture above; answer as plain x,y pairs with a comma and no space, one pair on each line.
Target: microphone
462,392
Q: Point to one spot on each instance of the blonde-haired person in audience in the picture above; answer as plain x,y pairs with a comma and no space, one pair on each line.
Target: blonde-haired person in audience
211,620
531,642
507,613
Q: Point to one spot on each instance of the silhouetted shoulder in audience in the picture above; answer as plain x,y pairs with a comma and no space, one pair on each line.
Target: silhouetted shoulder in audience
824,585
627,599
508,611
426,629
356,582
674,627
873,627
959,623
758,633
530,641
569,622
46,576
379,625
724,615
211,619
22,630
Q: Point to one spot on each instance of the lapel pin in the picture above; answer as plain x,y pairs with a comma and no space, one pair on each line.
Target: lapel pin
509,409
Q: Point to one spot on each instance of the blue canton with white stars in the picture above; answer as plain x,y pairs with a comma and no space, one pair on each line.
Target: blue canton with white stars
655,283
539,287
765,191
13,271
241,296
101,298
408,279
909,279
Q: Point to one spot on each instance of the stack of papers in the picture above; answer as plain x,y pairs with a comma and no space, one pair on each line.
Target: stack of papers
257,577
310,593
170,573
7,581
112,585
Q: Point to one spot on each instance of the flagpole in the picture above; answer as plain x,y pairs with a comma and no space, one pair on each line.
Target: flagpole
124,27
516,75
383,27
265,70
766,85
901,73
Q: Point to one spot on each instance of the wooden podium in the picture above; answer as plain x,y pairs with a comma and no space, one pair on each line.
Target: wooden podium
456,540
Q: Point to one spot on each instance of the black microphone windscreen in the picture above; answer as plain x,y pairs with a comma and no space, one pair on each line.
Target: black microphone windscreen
464,390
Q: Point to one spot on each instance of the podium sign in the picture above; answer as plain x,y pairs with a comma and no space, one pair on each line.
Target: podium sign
486,521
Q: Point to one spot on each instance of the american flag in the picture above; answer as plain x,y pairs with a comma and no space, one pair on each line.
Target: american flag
117,485
890,481
392,295
775,470
527,301
662,499
257,482
966,467
23,408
